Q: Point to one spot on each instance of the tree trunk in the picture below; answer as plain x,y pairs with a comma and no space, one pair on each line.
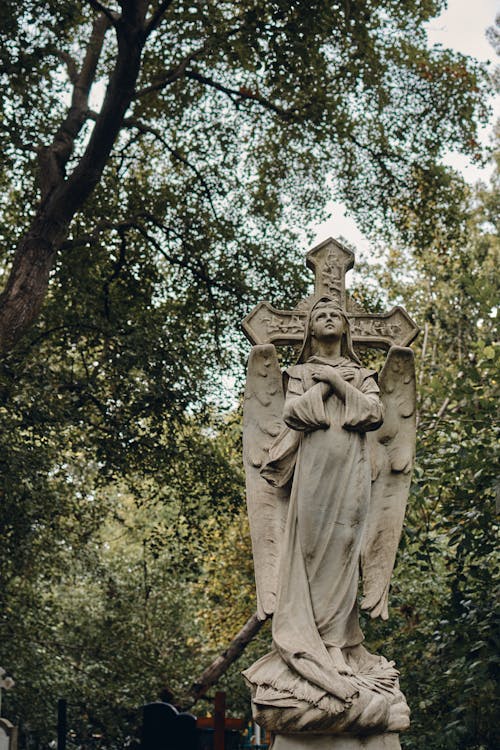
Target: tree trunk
26,287
24,293
221,664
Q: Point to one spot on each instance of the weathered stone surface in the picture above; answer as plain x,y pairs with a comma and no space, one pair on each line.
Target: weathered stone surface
330,262
387,741
328,461
8,735
267,325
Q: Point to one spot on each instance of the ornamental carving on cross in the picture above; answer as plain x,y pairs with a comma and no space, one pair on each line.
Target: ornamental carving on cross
330,262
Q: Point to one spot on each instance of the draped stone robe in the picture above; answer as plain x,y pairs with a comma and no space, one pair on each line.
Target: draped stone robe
324,447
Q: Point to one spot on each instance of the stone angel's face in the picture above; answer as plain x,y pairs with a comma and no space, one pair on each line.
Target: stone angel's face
327,323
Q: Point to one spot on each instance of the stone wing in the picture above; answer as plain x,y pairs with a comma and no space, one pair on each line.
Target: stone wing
392,454
267,505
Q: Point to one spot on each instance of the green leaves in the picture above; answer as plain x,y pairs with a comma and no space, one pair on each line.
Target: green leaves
444,634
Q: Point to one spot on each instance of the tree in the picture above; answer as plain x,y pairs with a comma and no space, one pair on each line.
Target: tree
213,117
152,155
116,612
444,629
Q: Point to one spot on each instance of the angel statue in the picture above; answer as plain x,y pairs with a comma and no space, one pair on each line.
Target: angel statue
328,451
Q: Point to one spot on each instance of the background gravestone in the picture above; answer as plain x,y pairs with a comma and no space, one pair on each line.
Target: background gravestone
164,728
186,724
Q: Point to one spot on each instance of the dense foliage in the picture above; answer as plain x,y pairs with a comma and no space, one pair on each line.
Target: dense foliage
142,580
125,560
197,132
445,628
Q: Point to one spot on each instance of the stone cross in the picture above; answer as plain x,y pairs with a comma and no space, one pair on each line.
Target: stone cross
330,262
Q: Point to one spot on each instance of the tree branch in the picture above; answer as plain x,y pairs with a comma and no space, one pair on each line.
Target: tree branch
88,239
241,94
100,8
171,75
379,158
53,158
157,16
119,94
174,73
71,65
132,122
443,406
220,665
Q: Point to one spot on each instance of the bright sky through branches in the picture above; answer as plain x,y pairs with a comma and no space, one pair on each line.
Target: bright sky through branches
461,27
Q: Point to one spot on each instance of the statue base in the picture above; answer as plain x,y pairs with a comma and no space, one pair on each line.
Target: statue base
386,741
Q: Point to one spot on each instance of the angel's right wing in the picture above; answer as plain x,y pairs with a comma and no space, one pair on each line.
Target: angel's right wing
267,504
392,449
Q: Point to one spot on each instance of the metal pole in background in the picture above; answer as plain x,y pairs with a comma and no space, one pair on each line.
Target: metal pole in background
62,712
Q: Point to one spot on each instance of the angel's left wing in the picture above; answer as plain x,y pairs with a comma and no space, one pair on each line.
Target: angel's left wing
392,453
267,503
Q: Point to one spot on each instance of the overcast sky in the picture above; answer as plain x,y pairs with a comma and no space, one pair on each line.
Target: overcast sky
461,27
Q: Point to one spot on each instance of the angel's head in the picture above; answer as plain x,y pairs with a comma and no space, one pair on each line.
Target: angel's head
327,318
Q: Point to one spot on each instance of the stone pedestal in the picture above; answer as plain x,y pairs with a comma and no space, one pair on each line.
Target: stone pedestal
386,741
